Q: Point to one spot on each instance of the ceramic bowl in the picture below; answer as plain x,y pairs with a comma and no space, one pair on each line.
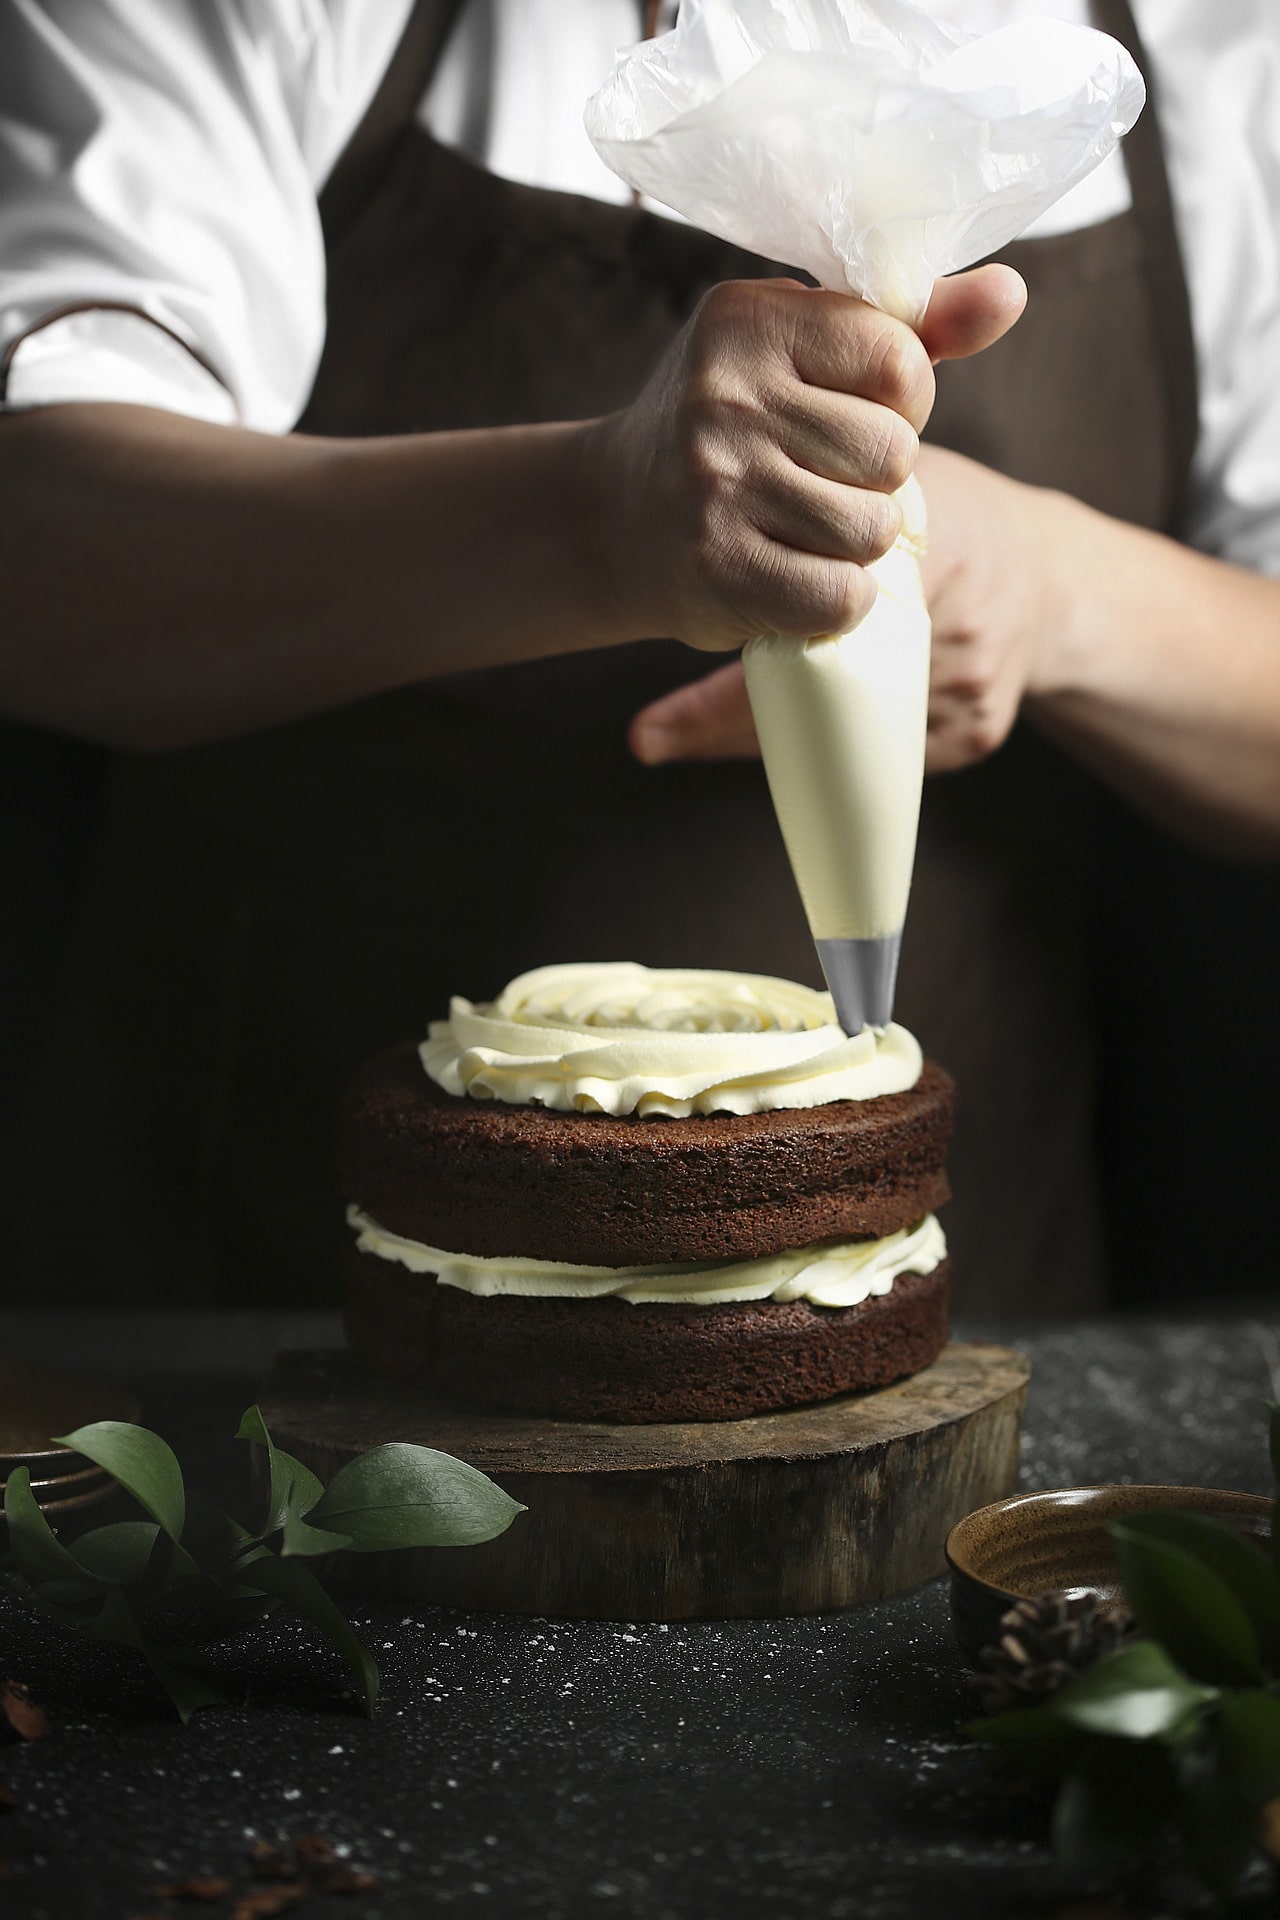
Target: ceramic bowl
1036,1542
35,1403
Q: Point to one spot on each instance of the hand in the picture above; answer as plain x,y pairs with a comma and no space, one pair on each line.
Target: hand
749,486
1154,666
997,552
997,555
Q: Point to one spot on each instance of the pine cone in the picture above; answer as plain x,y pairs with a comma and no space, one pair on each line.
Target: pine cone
1045,1642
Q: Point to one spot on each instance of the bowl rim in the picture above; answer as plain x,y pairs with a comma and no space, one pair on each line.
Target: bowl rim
1229,1500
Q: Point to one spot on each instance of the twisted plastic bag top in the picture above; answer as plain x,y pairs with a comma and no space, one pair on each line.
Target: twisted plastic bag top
859,139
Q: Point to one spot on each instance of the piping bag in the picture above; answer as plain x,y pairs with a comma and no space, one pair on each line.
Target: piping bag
875,148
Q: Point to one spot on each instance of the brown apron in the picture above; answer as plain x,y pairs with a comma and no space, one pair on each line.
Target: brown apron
1093,393
263,913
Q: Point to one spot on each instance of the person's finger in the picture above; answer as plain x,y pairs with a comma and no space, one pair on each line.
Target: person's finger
840,437
802,594
946,747
710,719
815,516
849,347
970,311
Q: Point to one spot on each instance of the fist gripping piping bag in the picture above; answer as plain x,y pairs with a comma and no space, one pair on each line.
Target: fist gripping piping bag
877,149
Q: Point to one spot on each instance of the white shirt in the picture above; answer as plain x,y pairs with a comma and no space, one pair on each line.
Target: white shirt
166,155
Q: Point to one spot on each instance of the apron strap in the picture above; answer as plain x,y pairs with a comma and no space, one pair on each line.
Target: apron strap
1153,210
364,158
362,161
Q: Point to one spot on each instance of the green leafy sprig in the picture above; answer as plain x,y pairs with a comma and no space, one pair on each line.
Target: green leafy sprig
189,1573
1181,1728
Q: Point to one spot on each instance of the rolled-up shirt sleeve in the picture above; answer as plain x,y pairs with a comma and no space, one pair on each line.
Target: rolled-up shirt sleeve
159,236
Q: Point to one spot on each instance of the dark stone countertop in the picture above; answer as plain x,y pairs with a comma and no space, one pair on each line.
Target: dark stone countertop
800,1769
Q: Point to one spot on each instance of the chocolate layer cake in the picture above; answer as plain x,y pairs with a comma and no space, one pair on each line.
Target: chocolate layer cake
433,1174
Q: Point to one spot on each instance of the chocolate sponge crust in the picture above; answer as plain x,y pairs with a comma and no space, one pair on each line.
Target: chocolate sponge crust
486,1178
609,1360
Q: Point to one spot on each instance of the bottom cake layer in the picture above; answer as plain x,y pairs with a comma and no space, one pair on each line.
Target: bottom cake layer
610,1360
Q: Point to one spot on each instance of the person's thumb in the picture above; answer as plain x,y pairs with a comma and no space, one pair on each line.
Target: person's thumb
710,719
970,311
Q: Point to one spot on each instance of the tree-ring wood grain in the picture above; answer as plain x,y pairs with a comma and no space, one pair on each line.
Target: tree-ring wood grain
804,1511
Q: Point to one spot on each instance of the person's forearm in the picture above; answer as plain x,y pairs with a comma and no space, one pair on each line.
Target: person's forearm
1164,678
168,581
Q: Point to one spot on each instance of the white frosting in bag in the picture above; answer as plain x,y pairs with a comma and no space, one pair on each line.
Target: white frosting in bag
618,1038
841,722
836,1274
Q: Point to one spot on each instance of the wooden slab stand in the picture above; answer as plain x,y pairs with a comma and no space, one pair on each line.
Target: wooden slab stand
798,1512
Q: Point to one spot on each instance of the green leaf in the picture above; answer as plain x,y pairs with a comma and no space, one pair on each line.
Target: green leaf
189,1559
1249,1731
1240,1562
1136,1694
211,1537
222,1548
1187,1607
298,1536
113,1621
1218,1829
143,1463
294,1490
40,1556
297,1586
1031,1735
120,1553
47,1599
293,1486
1118,1800
1084,1840
184,1676
171,1565
186,1679
399,1495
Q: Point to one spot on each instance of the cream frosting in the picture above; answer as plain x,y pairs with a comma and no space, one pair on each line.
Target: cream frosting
841,722
618,1038
834,1274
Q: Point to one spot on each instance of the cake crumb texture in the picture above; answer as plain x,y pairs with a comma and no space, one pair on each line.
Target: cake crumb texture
599,1190
637,1364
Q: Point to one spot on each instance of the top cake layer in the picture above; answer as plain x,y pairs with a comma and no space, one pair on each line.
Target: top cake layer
489,1178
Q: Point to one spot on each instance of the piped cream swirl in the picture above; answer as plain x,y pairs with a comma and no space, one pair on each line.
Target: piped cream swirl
615,1037
839,1273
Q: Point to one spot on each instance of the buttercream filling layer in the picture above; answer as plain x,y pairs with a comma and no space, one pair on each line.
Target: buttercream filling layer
619,1038
839,1273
